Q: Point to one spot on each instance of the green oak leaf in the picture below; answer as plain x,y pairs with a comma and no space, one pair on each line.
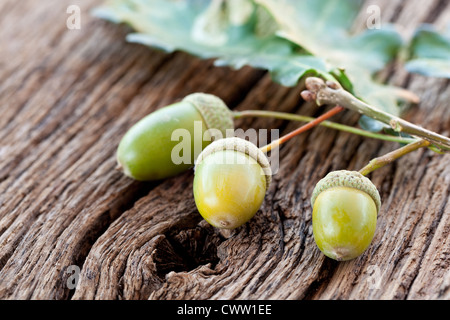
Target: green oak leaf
230,36
289,38
322,27
430,53
315,24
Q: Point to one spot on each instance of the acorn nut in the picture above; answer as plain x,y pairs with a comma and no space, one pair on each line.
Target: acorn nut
345,208
230,183
145,151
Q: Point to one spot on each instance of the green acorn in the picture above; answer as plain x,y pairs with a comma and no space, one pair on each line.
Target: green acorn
231,179
345,208
145,151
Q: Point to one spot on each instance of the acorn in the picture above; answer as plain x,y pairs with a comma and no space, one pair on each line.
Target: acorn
345,208
145,151
230,183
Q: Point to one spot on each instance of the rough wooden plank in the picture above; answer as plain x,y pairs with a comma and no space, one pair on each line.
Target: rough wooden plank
69,96
60,177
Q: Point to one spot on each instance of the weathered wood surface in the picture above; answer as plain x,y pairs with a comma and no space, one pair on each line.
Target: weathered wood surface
67,97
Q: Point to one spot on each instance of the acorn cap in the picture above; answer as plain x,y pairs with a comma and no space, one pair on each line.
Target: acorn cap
243,146
213,110
350,179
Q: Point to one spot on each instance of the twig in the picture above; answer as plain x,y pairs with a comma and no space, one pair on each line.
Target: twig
382,161
327,124
302,129
327,93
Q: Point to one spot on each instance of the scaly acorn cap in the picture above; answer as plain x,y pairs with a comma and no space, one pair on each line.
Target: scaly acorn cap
239,145
213,110
350,179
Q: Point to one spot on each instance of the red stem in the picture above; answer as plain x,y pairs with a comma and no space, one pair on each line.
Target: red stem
302,129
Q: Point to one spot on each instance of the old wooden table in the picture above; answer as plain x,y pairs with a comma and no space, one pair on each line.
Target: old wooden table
67,97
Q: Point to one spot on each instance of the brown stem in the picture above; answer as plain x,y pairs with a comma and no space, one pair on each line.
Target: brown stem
324,93
302,129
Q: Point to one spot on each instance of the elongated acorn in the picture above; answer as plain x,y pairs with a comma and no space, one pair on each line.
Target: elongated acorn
230,183
146,151
345,208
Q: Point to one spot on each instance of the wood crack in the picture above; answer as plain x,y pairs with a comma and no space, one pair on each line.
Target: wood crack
325,274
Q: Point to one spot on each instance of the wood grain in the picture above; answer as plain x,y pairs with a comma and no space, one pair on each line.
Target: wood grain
68,96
